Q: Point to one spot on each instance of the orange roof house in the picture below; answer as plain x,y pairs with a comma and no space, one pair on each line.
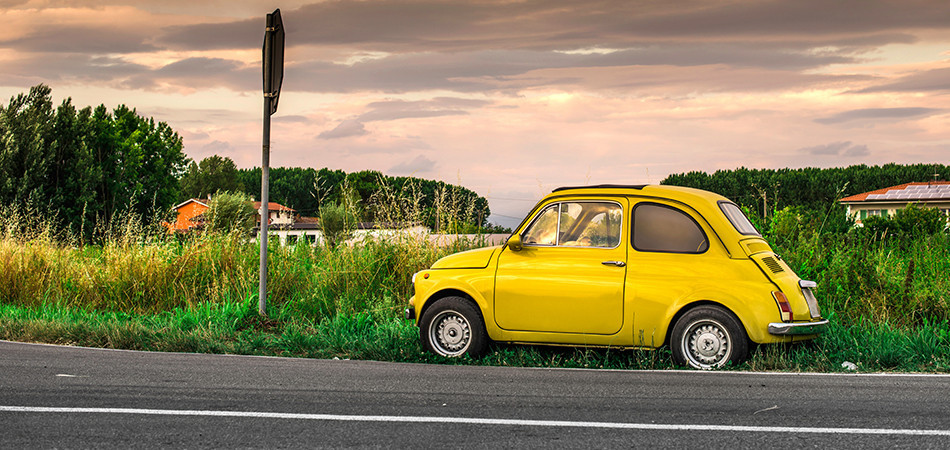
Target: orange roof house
278,214
187,211
886,201
190,211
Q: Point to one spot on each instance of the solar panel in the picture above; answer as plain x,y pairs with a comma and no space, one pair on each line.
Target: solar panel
914,192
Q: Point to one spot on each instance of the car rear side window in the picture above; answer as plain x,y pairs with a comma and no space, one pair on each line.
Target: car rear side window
738,219
661,228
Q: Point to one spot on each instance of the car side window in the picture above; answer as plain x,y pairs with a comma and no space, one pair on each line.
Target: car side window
661,228
544,229
577,224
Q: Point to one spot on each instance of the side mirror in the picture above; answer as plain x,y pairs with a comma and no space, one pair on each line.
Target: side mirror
514,243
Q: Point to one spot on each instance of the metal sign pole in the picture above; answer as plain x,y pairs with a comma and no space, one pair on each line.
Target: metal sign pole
273,65
265,214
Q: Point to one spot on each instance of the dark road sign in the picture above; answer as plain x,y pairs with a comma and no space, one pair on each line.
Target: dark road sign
273,58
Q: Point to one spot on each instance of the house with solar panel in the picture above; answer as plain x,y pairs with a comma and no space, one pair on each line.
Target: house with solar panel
886,202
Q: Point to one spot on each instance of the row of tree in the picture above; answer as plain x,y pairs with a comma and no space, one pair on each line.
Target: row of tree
81,168
767,190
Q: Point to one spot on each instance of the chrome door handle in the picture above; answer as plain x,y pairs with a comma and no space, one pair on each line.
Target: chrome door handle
614,263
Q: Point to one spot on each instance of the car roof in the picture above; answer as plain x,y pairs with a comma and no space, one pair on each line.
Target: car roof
661,190
602,186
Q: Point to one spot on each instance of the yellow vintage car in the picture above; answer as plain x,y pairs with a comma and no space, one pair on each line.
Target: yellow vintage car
620,267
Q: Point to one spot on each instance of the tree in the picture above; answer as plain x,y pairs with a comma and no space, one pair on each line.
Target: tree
230,211
338,223
212,174
82,167
339,220
24,157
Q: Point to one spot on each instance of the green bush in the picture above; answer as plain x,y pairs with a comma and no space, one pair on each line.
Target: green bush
910,222
919,221
230,212
338,223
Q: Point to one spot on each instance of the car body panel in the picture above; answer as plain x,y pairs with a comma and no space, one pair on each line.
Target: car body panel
471,259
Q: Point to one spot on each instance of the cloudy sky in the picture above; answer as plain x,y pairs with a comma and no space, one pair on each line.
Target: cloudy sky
511,98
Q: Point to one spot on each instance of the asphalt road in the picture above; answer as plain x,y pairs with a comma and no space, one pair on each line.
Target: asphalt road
65,397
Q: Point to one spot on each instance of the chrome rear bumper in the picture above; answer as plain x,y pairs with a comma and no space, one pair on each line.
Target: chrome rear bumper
798,328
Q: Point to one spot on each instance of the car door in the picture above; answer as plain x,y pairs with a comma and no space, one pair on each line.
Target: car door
569,275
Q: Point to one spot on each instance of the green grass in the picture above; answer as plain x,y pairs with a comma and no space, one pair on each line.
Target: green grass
236,328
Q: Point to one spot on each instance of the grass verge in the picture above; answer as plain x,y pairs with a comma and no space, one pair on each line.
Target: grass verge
237,329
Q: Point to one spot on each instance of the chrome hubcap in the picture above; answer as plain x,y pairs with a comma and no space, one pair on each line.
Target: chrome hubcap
707,345
450,334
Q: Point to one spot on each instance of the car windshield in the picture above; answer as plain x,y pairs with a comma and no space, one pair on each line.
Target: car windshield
738,219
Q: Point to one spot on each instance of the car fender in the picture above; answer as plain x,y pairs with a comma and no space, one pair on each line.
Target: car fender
754,310
475,284
753,315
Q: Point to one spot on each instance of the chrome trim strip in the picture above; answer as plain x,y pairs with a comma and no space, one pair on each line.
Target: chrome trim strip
798,328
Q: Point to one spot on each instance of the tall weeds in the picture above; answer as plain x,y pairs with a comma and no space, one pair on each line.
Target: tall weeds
901,282
137,270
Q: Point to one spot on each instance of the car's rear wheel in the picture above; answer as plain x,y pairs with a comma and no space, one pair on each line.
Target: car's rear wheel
708,337
453,327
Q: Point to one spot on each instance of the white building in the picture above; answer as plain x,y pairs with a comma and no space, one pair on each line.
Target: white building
886,201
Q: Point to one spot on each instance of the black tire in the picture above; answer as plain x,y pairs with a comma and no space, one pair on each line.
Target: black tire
453,327
708,337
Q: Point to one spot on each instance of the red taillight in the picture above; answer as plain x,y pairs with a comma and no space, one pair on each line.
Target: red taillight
783,306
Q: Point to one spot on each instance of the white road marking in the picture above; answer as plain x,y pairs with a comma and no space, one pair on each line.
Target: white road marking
770,408
478,421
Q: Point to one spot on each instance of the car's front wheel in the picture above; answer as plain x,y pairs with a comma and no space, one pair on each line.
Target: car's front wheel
708,337
453,327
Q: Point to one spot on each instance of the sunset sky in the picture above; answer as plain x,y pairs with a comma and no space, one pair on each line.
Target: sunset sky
511,98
